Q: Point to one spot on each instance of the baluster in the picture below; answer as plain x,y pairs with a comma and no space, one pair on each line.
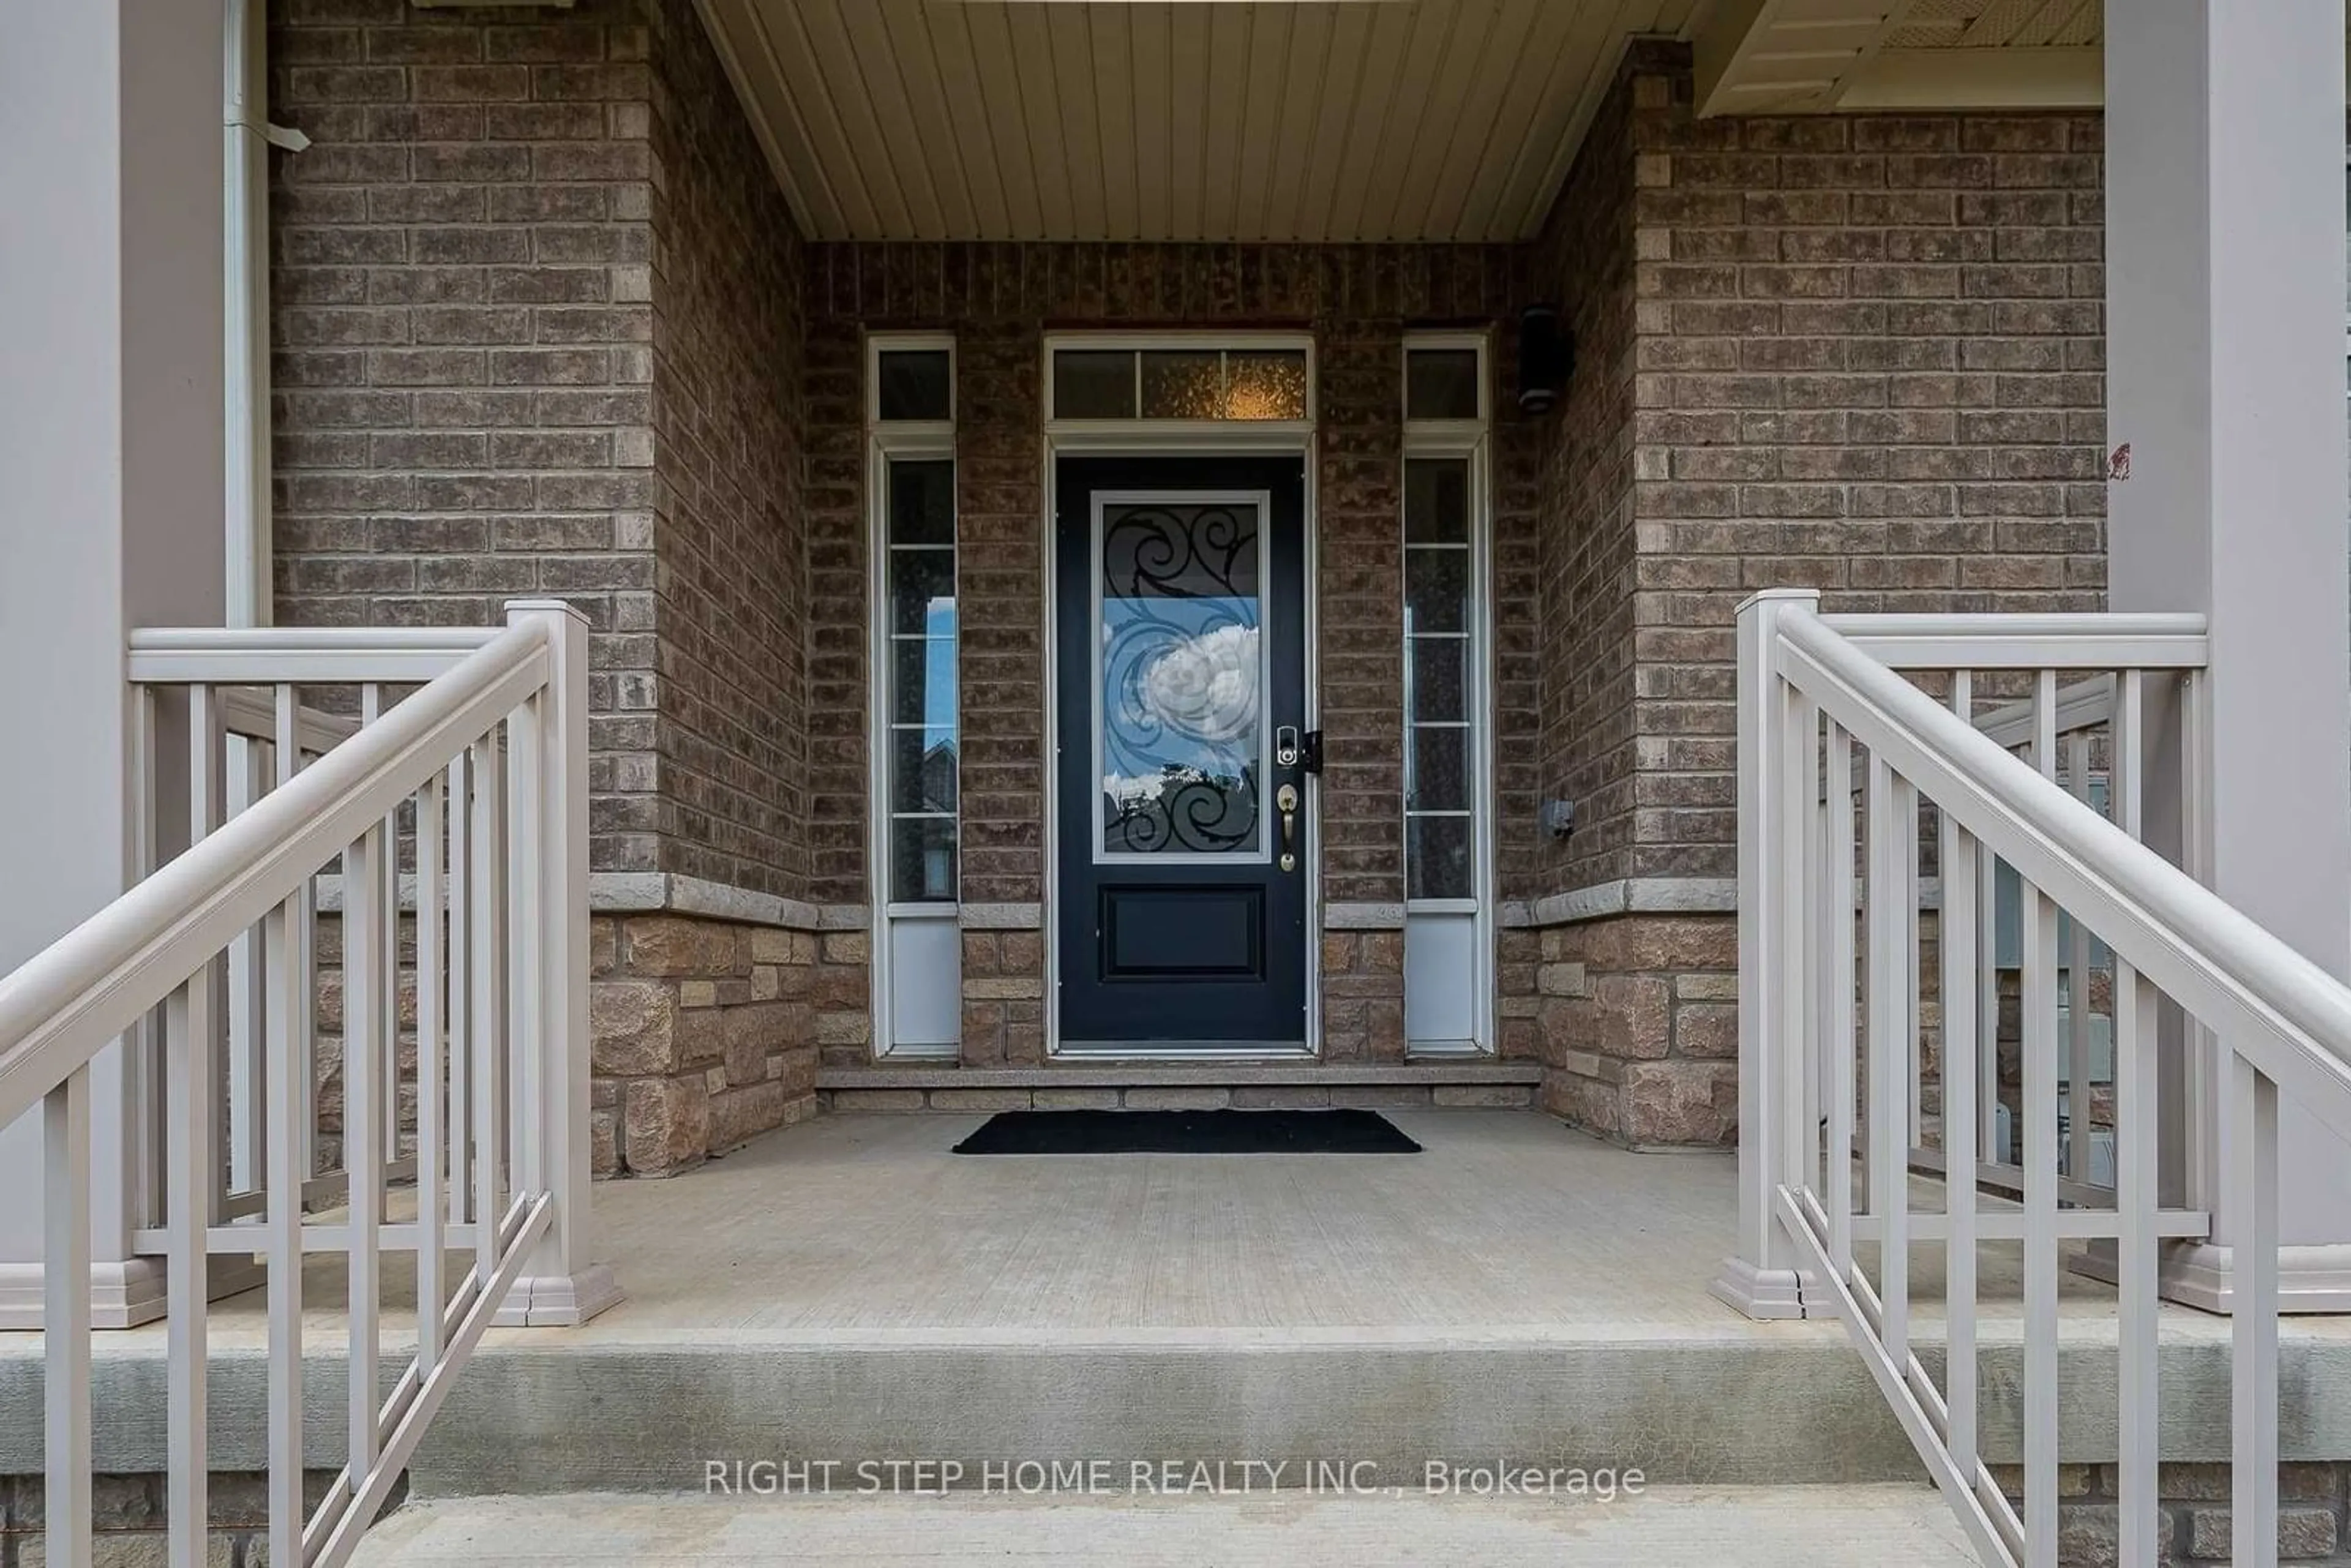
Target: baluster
190,1168
142,1046
1799,1095
365,983
526,939
1988,1009
245,785
2039,917
2077,994
2136,1173
1842,911
461,970
206,792
371,708
1957,934
1892,835
289,1106
488,974
431,1197
65,1290
2253,1316
302,984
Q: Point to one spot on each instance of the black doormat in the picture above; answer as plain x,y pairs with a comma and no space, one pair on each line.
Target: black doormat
1188,1133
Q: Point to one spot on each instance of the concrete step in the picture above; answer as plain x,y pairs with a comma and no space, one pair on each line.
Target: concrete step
1742,1527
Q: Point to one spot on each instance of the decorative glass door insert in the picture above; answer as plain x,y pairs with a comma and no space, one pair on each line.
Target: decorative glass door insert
1180,720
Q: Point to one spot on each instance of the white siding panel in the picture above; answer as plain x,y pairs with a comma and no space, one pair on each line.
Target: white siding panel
1150,62
1117,75
1158,120
990,35
1440,970
1071,27
926,983
1187,120
1314,58
961,180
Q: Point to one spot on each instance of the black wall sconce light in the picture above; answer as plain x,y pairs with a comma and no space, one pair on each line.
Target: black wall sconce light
1546,358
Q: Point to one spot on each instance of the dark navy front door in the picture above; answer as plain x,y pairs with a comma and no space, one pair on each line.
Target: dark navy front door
1184,830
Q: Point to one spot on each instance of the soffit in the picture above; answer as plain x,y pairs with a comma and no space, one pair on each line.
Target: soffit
1797,55
1307,120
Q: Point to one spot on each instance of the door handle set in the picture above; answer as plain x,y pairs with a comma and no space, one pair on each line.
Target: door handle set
1302,751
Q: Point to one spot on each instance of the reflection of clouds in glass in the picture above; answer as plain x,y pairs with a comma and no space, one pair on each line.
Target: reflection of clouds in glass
1129,791
1205,687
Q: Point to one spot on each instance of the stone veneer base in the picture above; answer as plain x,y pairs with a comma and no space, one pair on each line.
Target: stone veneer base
705,1032
1637,1012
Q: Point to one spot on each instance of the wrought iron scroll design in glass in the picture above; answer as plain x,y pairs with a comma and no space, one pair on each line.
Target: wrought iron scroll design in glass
1181,669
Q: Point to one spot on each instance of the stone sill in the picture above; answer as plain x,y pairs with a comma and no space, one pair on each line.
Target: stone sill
1186,1075
1627,895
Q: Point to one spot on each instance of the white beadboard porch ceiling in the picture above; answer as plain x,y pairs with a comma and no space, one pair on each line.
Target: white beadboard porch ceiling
1175,120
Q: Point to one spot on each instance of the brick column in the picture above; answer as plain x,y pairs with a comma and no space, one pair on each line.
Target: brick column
1359,655
1000,609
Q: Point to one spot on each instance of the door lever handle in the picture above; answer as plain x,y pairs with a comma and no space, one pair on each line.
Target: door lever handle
1286,799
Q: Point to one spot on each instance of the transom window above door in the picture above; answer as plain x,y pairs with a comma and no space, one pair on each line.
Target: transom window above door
1185,382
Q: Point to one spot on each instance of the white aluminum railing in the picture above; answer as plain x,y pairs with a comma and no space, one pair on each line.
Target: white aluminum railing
238,697
2065,728
1831,1022
481,774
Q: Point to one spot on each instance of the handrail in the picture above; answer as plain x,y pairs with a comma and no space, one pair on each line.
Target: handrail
329,656
479,780
2283,1013
2163,640
1839,1051
64,1004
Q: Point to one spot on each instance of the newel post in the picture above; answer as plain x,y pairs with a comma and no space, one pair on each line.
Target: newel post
560,1285
1760,1278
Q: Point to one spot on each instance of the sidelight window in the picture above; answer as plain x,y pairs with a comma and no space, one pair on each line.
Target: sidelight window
1447,740
1440,618
916,731
922,755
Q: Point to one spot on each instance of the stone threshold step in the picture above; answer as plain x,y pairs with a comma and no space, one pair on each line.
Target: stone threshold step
1182,1075
1757,1527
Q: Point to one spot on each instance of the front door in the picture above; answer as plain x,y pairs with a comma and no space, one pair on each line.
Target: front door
1185,841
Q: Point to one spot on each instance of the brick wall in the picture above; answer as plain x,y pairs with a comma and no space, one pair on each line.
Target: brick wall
999,300
1877,344
1865,355
129,1514
535,306
462,410
1856,354
1583,627
538,327
729,551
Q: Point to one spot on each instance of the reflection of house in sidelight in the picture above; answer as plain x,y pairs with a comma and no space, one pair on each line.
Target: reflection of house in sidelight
1688,601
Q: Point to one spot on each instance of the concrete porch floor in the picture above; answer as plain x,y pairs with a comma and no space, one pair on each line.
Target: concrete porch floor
849,1289
865,1226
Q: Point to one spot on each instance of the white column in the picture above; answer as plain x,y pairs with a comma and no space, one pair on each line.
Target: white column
110,455
2225,304
560,1285
1761,1277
